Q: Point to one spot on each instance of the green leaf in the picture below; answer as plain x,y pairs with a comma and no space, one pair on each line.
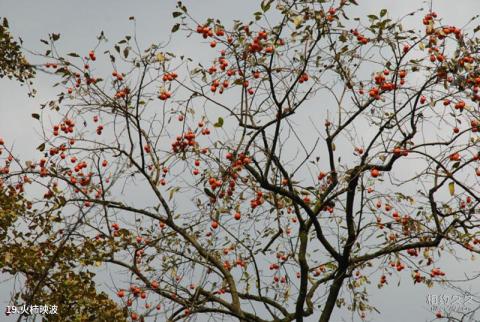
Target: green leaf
383,12
209,193
219,122
175,27
172,192
73,55
55,37
372,17
176,14
125,52
36,116
265,5
41,147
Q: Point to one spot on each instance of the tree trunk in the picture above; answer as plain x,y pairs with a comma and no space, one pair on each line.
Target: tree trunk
332,296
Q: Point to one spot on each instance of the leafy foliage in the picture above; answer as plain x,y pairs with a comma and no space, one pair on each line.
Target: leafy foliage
12,62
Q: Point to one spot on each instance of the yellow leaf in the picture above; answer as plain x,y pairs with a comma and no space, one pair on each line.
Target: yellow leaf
451,188
8,258
297,21
160,57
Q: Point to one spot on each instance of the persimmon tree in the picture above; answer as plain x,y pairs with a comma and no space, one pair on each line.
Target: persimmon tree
28,247
314,157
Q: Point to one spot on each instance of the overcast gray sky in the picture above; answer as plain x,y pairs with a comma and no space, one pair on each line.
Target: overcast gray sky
79,22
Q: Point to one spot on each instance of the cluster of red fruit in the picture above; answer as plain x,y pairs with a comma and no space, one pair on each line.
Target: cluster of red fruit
466,60
398,151
388,207
460,105
99,129
258,44
236,166
91,55
214,183
6,168
331,14
447,30
168,77
282,279
381,81
54,151
43,169
116,229
429,18
118,76
49,194
441,33
303,78
221,291
436,272
255,46
239,162
164,95
184,141
78,79
51,65
61,149
383,279
383,85
405,221
216,84
122,93
138,292
412,252
396,216
84,179
319,270
208,32
435,55
360,38
399,266
66,126
257,201
406,224
90,80
222,61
